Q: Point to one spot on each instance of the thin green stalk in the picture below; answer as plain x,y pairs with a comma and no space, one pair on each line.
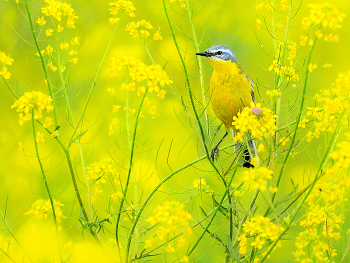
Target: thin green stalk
200,66
93,85
296,211
296,125
13,235
46,186
129,173
42,62
7,255
239,156
70,116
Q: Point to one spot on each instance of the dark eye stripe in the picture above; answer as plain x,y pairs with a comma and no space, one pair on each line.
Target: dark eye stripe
219,52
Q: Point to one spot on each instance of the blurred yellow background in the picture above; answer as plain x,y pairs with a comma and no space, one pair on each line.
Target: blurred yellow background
231,23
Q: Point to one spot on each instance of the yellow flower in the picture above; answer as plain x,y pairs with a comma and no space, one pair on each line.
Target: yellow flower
49,32
261,148
99,171
311,67
303,40
258,23
161,94
144,33
5,73
258,243
52,67
146,24
64,46
273,93
55,134
75,41
200,184
259,6
259,125
258,177
73,52
157,36
149,242
116,108
39,137
59,28
283,140
318,34
327,65
113,20
274,66
111,91
73,60
32,101
47,123
169,248
41,21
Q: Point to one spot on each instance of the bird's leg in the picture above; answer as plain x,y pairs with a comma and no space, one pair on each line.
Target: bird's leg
215,152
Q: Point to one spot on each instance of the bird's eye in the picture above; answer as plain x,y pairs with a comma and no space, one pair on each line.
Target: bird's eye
219,52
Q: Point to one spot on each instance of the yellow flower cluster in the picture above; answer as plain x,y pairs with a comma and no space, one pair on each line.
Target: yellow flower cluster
258,177
34,101
260,122
341,156
138,71
262,230
182,2
287,72
273,93
102,170
57,10
333,103
325,14
140,28
201,185
41,209
315,243
5,60
115,6
173,215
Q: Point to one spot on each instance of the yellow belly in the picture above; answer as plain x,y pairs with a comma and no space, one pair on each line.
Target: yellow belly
231,91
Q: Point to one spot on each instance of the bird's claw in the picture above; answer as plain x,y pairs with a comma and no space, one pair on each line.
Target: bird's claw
214,153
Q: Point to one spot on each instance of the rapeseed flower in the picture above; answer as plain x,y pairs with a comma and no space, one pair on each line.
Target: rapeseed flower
32,102
260,122
5,60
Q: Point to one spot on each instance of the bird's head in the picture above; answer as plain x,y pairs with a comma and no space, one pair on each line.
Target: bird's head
218,53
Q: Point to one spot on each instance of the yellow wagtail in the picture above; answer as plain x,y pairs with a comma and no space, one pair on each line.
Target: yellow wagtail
231,91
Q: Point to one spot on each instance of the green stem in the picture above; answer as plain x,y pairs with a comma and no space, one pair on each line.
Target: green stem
93,85
42,62
296,125
13,235
128,176
296,211
200,66
46,186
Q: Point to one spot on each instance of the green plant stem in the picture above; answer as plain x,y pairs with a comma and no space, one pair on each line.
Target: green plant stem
13,235
46,186
93,85
296,125
318,173
239,156
202,135
128,176
200,66
42,61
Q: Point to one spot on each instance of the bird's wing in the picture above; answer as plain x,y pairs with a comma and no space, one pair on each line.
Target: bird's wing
251,82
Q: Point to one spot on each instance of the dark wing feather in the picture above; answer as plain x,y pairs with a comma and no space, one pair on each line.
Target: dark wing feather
251,82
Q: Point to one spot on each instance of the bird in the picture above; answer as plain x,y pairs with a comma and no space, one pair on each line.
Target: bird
231,91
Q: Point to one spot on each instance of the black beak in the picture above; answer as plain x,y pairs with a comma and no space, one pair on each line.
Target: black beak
204,54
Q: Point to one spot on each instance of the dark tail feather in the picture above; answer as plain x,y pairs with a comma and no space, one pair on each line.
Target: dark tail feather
247,159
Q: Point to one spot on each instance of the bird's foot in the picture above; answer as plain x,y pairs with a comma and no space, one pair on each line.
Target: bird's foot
214,153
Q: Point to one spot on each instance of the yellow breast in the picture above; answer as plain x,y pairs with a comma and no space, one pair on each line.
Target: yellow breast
230,89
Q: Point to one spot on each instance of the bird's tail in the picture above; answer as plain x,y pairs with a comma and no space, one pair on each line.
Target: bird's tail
248,154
